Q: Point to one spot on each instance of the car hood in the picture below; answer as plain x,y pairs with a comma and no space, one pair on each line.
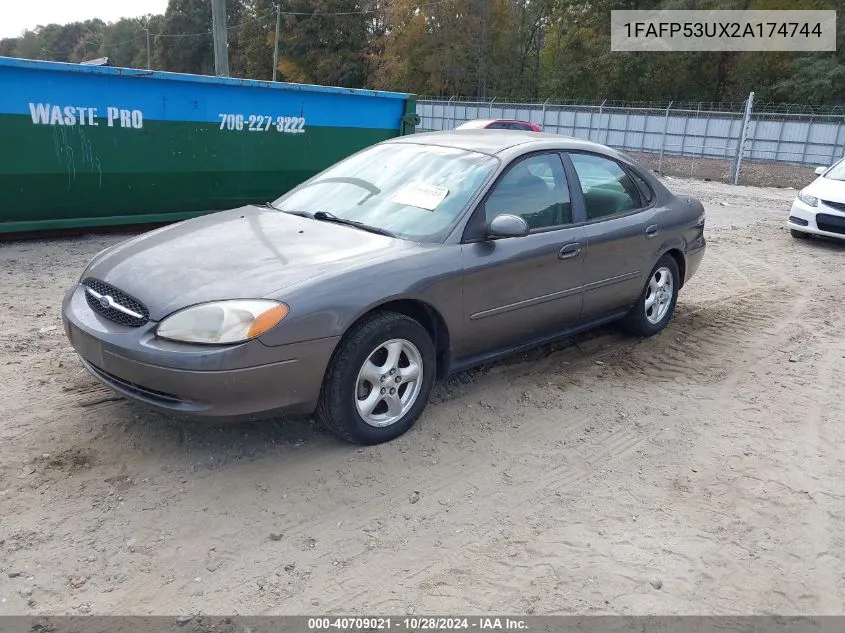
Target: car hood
827,189
249,252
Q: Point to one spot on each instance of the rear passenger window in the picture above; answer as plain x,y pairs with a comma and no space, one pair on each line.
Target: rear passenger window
645,189
607,188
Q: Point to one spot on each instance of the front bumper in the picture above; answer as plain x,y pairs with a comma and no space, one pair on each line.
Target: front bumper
820,220
248,380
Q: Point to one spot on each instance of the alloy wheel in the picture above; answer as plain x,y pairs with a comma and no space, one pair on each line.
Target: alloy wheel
389,382
659,297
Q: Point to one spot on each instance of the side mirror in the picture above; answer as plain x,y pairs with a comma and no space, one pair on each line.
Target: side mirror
508,225
820,170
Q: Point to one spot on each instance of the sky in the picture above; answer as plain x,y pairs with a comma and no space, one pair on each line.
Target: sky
18,15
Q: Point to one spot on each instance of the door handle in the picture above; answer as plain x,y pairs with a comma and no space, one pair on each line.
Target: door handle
652,231
569,251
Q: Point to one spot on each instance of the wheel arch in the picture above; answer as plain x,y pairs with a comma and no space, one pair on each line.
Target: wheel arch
680,259
421,311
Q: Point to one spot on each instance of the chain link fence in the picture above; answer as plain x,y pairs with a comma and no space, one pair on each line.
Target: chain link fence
743,143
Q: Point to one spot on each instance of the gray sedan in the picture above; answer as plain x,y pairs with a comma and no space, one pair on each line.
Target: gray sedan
415,258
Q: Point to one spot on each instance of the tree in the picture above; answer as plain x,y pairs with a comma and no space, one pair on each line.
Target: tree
813,80
8,46
325,41
439,48
125,42
256,39
185,43
509,49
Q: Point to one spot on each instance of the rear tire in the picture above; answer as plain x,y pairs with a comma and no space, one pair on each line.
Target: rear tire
653,310
369,394
798,235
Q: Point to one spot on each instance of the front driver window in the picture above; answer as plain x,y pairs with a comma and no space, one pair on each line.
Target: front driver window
607,189
535,189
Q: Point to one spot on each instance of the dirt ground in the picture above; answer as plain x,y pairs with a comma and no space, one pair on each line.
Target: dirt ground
752,173
698,472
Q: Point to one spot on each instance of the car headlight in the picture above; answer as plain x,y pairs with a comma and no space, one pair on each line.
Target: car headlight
220,322
808,199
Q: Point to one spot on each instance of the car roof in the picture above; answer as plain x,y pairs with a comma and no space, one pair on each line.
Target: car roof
477,122
474,124
494,142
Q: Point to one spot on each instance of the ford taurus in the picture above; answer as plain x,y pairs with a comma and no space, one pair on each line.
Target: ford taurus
413,259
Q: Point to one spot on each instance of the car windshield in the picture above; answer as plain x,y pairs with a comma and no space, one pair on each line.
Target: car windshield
837,172
414,191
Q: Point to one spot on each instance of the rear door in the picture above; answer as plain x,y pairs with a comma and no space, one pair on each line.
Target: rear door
620,227
520,288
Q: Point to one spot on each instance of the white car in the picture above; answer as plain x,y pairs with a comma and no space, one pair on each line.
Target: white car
819,208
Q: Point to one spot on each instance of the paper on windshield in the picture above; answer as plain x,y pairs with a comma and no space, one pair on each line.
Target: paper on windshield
417,194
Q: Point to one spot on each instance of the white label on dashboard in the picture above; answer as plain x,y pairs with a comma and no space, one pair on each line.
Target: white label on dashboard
420,195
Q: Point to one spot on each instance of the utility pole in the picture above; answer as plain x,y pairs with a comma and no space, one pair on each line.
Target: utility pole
276,41
145,24
743,136
221,41
483,49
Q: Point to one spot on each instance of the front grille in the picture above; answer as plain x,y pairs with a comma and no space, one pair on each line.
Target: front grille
830,223
119,306
839,206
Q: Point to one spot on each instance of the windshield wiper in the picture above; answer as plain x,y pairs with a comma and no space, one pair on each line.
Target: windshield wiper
299,212
304,214
327,216
331,217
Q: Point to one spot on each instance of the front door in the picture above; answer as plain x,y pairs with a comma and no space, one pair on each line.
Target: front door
520,288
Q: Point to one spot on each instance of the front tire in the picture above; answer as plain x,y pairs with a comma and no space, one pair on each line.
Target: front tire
799,235
379,380
653,310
